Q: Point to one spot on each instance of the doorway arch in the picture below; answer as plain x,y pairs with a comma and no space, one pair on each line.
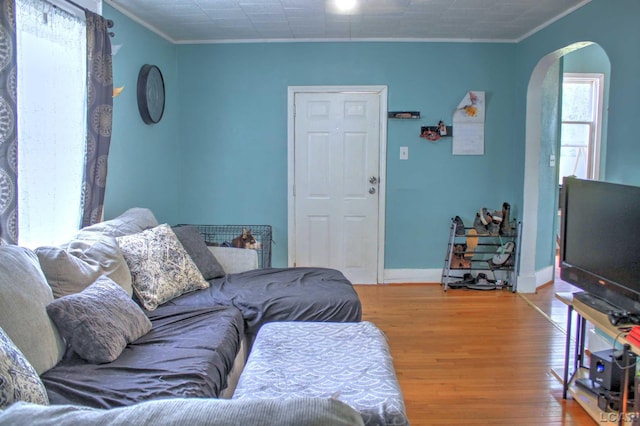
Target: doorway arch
529,278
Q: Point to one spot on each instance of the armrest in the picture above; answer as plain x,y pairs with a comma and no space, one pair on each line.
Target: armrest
234,260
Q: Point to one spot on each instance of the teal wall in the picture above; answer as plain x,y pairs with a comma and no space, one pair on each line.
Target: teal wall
233,117
219,155
144,161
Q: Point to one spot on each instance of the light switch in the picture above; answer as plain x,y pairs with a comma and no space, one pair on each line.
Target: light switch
404,152
552,160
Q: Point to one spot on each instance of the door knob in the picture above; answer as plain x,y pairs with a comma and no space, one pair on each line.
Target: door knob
373,180
372,190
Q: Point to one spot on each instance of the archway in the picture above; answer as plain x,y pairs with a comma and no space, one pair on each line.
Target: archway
530,278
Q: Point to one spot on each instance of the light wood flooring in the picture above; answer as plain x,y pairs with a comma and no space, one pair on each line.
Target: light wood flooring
470,357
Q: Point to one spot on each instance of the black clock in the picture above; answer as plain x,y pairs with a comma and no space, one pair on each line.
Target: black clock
150,94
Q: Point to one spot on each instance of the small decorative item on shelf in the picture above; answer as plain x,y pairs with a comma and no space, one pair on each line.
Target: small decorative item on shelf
404,114
433,133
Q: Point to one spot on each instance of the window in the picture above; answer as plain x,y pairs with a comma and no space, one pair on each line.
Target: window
581,121
51,59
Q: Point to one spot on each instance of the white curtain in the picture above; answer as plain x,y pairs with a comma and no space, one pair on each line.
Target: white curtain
51,61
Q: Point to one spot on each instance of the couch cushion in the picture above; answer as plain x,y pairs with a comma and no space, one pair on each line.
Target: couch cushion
18,380
194,244
188,353
160,267
76,265
132,221
99,321
212,412
24,294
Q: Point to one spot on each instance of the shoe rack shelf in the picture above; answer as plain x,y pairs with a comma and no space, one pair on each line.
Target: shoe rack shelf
469,259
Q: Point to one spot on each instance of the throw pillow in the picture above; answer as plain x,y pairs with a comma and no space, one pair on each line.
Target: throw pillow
160,267
194,244
73,267
18,380
100,321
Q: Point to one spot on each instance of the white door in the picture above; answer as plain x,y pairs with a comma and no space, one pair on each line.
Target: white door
336,184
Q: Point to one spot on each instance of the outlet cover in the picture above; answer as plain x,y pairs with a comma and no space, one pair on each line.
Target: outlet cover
404,152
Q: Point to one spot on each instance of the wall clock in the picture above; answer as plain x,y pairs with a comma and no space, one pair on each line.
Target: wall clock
150,94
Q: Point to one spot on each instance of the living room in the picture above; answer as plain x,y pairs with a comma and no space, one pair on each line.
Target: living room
220,153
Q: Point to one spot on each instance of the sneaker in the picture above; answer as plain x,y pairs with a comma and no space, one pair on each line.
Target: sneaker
459,226
480,228
505,226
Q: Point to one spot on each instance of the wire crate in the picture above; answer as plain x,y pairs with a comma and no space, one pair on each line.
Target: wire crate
223,235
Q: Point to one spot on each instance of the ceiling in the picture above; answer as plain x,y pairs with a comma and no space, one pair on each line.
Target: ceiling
210,21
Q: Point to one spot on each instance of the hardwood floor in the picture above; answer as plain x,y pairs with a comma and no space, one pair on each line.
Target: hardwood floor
473,357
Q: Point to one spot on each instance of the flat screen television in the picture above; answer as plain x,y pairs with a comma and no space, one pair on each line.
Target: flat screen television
600,240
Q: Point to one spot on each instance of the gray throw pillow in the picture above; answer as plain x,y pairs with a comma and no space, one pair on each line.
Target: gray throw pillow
73,267
195,245
160,266
18,380
100,321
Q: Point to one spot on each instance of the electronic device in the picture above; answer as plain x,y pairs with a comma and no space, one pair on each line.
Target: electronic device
606,369
599,245
622,317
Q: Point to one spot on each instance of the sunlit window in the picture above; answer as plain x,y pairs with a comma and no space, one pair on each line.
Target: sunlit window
51,59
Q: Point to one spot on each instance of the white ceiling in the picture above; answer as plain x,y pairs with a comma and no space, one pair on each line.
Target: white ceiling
203,21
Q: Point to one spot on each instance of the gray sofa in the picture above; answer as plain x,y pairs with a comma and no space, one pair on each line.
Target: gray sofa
132,319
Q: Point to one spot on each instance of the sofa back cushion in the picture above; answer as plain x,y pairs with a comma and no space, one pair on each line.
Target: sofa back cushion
71,268
132,221
24,295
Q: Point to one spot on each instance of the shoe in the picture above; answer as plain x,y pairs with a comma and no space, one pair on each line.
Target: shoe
485,216
459,226
472,243
494,229
482,283
480,228
503,255
458,261
467,278
505,226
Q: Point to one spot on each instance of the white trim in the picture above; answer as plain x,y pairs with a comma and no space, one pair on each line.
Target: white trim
423,276
382,92
545,275
347,40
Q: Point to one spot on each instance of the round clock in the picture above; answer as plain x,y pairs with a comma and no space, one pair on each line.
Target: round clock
150,94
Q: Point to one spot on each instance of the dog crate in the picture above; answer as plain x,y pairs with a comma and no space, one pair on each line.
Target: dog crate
223,235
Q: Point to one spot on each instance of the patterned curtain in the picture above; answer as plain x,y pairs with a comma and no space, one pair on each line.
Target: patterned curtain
8,116
99,117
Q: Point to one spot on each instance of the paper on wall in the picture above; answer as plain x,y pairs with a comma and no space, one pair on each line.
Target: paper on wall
468,124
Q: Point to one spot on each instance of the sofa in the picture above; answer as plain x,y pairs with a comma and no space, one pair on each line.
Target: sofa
133,319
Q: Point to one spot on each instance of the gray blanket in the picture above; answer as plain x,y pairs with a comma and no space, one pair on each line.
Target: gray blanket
282,294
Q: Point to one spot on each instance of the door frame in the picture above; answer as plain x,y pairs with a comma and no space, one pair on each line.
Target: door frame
381,91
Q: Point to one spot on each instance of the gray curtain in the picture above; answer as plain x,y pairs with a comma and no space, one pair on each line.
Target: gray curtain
99,117
8,117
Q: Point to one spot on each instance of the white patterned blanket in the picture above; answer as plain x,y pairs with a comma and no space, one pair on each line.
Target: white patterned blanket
350,361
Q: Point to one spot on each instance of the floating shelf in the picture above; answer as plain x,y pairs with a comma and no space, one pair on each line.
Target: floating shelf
404,115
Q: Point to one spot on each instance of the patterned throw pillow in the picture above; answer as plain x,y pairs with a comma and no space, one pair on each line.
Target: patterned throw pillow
160,266
100,321
18,379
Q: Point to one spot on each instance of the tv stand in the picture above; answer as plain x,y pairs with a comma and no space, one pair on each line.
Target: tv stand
575,371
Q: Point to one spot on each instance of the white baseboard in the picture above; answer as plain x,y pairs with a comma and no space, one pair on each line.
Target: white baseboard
396,276
545,275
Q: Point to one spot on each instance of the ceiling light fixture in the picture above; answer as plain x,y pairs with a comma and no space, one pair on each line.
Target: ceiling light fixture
345,5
